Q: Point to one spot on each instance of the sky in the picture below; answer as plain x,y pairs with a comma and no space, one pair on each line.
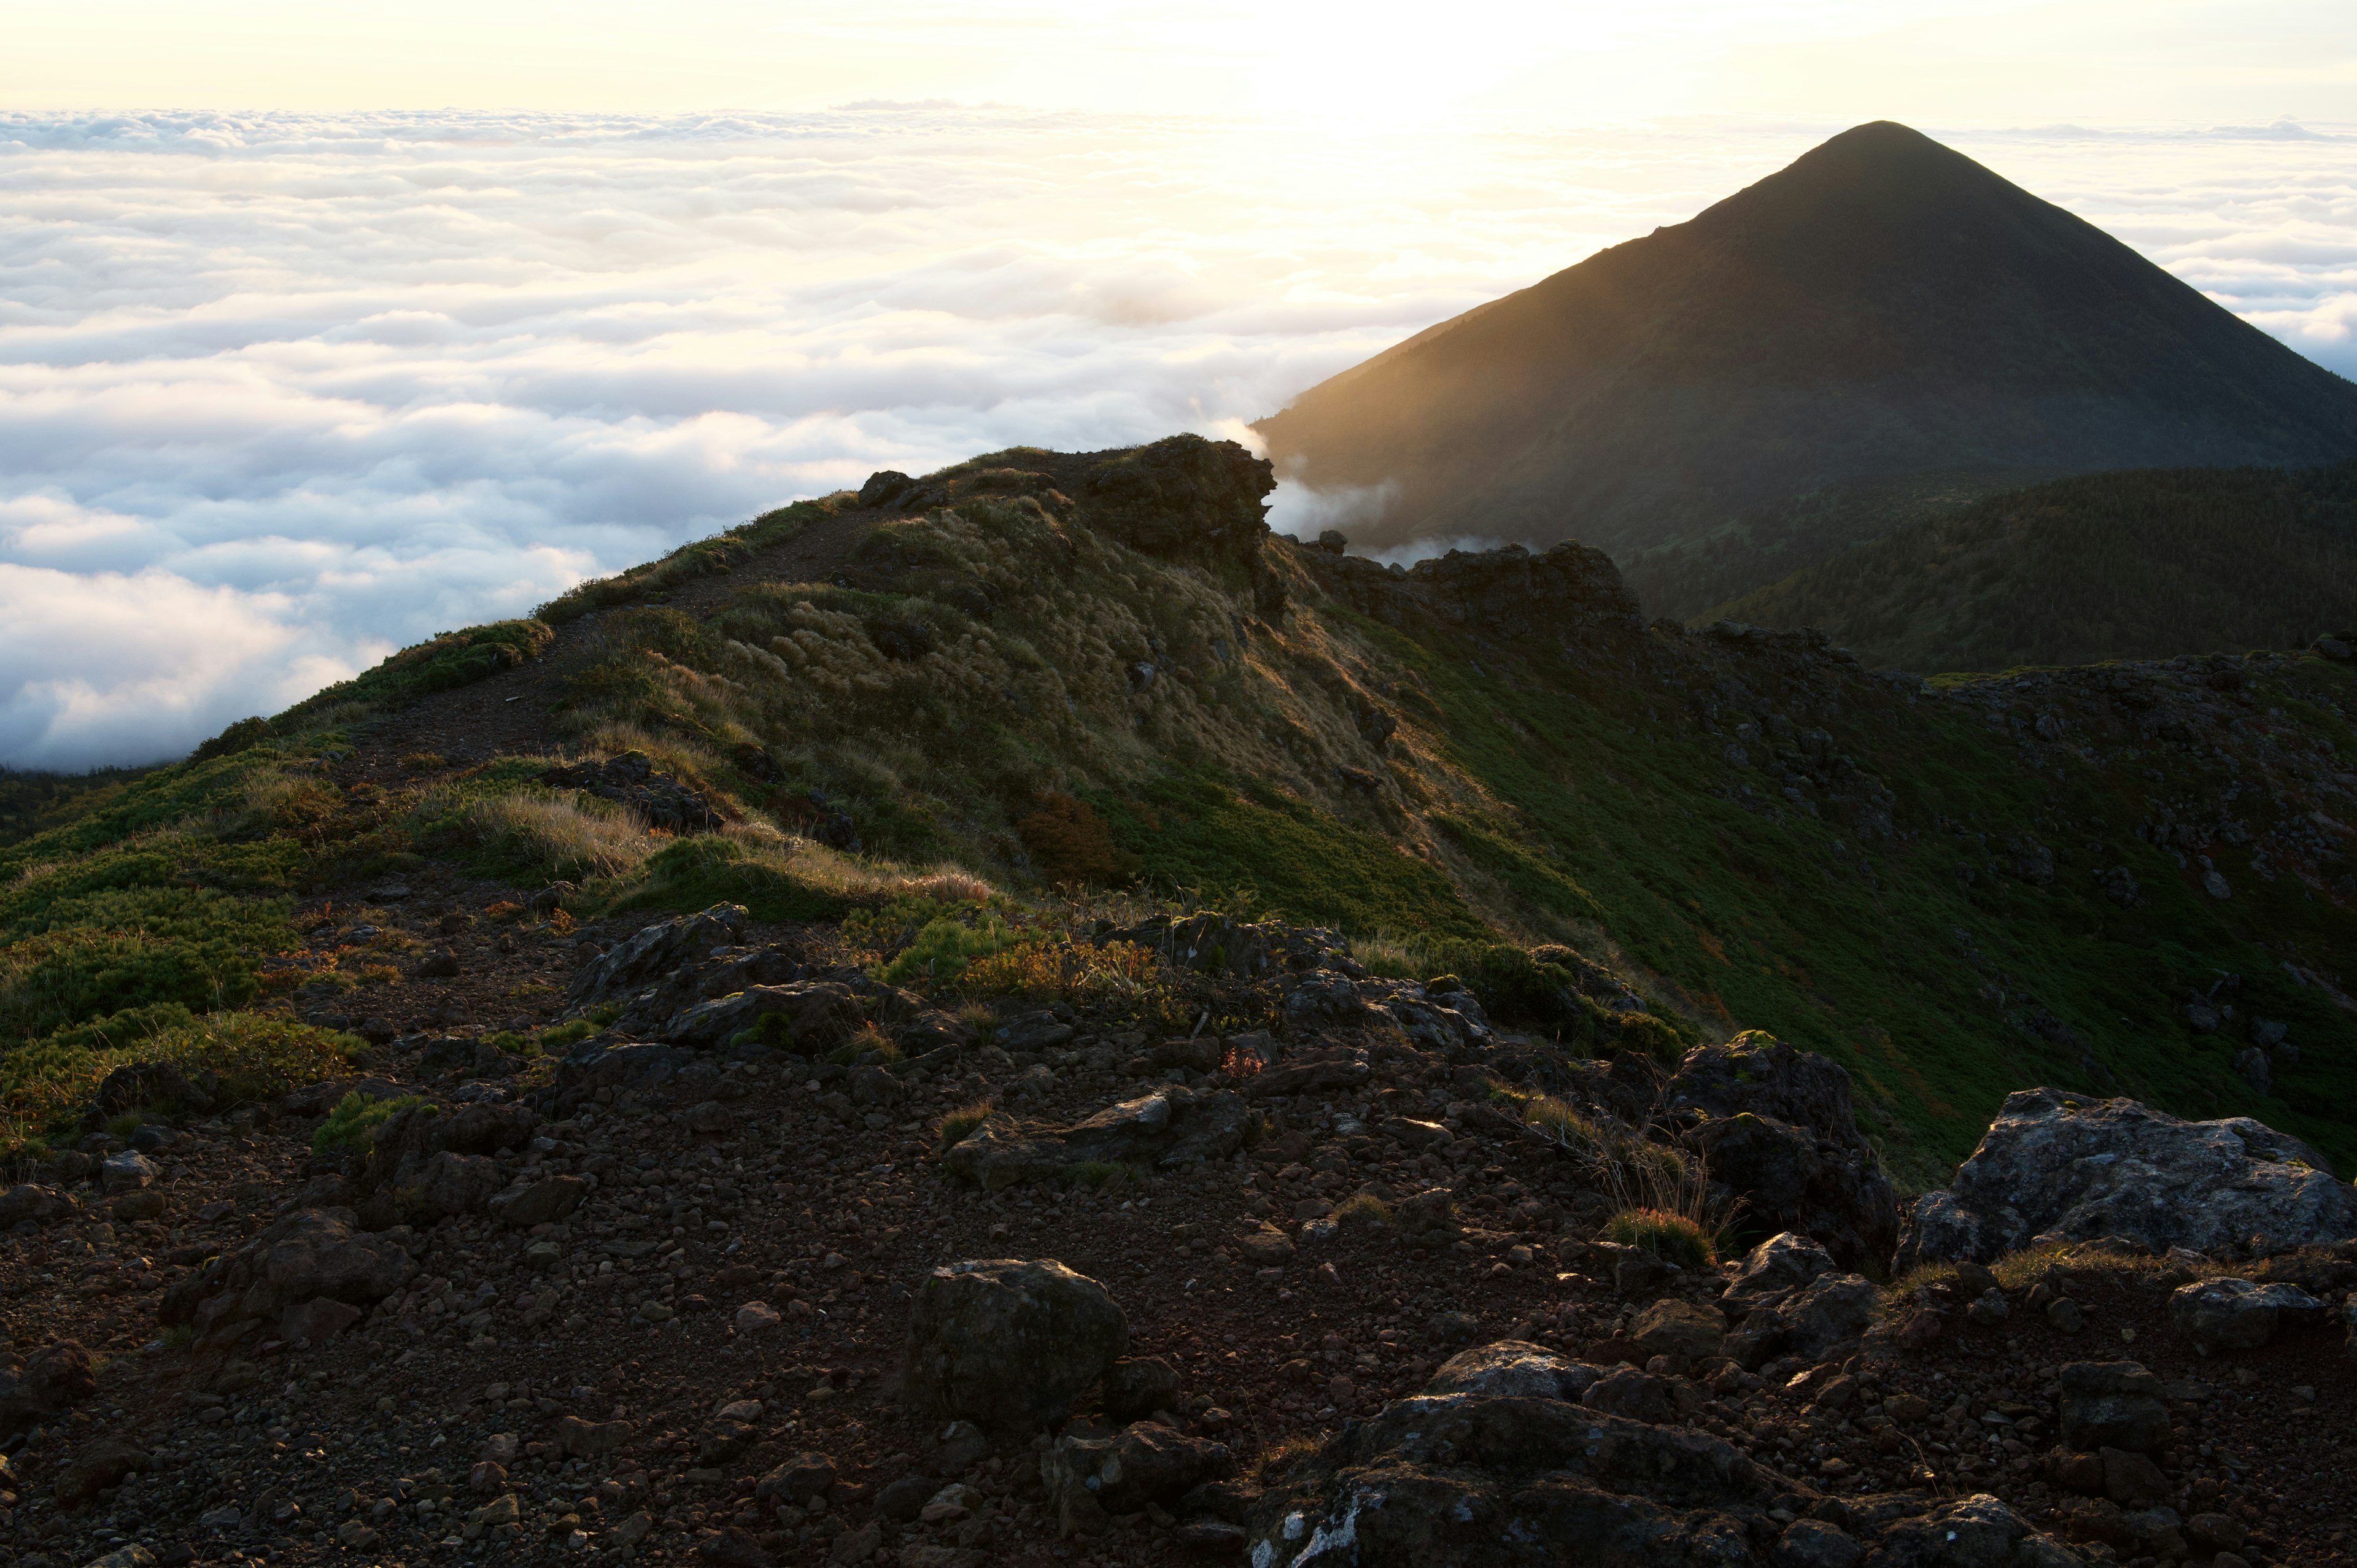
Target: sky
325,327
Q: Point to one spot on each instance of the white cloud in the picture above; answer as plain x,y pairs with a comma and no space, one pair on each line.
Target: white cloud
299,389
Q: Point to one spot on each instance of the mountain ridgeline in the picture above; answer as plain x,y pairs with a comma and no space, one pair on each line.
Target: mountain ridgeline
1884,313
1099,672
2141,565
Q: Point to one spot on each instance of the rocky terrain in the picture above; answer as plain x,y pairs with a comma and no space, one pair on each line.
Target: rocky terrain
1012,1016
922,1288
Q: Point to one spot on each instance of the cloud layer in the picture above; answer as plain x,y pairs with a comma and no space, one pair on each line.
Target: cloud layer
280,394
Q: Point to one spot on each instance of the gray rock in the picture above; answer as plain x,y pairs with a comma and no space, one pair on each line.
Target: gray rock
451,1183
1811,1543
1008,1342
306,1255
1122,1472
1774,1271
52,1381
1632,1395
1515,1369
28,1203
1826,1317
1172,1127
819,1016
528,1202
2254,1067
2236,1314
125,1172
656,953
2113,1404
2081,1168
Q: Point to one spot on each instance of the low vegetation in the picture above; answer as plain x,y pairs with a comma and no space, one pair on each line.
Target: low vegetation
2143,564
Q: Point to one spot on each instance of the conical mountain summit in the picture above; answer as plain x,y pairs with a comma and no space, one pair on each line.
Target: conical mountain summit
1882,308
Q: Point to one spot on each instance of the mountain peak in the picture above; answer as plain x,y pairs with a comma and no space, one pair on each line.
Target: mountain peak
1884,306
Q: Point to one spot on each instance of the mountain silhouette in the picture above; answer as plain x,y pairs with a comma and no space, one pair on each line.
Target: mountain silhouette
1883,308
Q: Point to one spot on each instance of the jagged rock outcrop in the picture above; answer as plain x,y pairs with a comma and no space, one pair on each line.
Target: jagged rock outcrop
52,1381
1569,595
2080,1168
656,954
1485,1467
1171,1127
425,1163
1185,499
1780,1133
309,1255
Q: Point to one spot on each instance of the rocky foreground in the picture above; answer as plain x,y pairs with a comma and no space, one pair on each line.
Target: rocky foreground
1331,1294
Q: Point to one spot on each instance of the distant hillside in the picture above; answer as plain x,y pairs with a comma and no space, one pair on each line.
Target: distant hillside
2142,565
1884,307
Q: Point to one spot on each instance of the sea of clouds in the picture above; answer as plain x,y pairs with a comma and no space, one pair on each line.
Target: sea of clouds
281,393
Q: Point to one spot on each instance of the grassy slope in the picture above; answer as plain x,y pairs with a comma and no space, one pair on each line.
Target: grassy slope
2139,564
1531,792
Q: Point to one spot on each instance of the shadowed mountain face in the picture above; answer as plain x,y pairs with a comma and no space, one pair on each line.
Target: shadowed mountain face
1883,308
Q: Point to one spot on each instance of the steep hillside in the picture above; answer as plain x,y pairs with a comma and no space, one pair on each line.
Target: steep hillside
2133,566
1098,673
1883,308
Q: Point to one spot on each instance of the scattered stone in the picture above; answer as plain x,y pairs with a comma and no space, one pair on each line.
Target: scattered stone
2113,1404
1679,1329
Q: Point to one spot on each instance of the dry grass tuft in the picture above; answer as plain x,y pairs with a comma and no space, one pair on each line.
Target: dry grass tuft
566,838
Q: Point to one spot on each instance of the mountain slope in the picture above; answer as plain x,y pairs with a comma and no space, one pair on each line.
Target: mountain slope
1882,308
2130,565
1095,670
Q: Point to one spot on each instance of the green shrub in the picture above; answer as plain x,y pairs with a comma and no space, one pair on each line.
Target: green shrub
1363,1208
567,1034
244,1056
513,1044
945,947
769,1029
1671,1237
116,1030
63,978
1097,1173
352,1125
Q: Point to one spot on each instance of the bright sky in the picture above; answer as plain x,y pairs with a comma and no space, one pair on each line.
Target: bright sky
2173,62
328,326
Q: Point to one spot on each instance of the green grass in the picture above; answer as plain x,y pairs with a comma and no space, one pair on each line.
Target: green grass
696,873
2141,565
1248,847
352,1125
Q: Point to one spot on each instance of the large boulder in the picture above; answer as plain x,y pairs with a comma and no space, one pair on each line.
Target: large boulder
1184,499
1171,1127
52,1381
1780,1135
1826,1317
2068,1166
1486,1467
1008,1342
304,1256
